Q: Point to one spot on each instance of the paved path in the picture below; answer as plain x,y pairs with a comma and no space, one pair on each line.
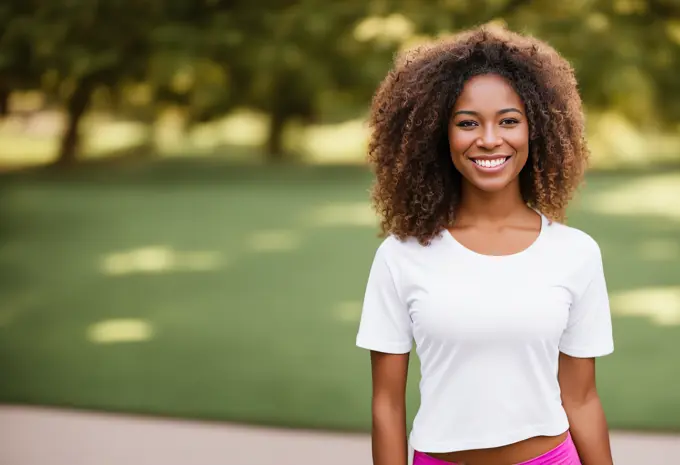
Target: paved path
38,436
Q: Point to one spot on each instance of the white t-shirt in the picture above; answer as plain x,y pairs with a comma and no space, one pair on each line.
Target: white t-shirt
488,331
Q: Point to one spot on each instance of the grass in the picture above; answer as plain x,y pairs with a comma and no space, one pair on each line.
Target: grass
197,289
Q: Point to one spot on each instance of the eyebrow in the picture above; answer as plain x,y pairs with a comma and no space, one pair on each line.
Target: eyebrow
500,112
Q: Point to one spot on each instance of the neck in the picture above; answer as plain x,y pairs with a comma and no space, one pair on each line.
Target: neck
490,206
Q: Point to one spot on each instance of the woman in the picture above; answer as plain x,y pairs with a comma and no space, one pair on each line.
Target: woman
478,145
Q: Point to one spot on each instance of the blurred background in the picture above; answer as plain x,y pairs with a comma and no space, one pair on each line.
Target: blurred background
184,218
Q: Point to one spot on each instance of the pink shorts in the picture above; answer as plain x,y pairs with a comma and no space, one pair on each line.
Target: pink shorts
564,454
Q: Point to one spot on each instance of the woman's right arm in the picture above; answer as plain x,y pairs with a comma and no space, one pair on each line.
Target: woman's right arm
389,441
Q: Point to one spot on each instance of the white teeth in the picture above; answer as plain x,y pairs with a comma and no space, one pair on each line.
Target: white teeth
490,163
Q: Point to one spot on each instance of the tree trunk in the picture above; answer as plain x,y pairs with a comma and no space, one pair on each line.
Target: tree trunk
275,151
76,108
4,100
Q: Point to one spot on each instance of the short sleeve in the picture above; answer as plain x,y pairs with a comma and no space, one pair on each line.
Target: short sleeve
385,324
589,328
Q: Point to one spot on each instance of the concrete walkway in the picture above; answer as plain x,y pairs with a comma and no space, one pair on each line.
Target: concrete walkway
39,436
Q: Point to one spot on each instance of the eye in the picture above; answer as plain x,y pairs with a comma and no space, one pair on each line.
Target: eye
508,121
466,124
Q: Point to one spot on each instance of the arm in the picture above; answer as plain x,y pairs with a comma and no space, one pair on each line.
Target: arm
385,329
389,372
586,417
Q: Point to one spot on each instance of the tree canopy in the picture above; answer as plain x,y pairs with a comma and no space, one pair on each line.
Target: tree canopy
285,57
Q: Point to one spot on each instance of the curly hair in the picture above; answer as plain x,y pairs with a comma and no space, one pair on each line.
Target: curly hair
417,188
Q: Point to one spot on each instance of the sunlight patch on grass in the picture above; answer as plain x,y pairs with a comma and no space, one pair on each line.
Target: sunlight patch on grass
241,128
616,141
348,311
168,131
19,150
335,143
36,141
120,330
159,259
104,137
648,196
277,240
244,127
660,304
660,250
104,134
358,214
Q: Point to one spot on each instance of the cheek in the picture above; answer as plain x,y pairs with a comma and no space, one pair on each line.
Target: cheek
460,142
519,140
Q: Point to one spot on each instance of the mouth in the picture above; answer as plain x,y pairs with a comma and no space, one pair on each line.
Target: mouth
491,164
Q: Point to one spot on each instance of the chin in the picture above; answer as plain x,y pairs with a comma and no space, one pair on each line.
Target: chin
488,184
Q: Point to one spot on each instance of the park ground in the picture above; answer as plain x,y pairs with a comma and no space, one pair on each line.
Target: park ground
37,436
231,294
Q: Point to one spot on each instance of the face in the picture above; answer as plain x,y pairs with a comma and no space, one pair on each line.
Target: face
489,134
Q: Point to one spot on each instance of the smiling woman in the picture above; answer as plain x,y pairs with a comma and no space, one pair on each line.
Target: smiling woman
441,98
478,146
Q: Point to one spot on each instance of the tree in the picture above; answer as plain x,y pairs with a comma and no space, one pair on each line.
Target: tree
279,59
70,50
287,57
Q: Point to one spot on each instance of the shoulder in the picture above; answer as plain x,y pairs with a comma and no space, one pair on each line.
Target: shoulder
574,245
571,239
398,253
394,247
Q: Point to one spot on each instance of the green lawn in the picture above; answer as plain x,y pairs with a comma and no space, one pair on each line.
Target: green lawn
228,293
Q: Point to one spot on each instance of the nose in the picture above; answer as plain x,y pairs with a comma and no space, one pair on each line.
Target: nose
489,140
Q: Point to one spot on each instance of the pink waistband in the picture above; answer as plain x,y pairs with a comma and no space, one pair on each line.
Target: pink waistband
564,454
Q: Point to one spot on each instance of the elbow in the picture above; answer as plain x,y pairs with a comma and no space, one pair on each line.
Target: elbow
572,401
388,410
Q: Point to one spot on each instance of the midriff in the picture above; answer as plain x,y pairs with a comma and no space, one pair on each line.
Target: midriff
510,454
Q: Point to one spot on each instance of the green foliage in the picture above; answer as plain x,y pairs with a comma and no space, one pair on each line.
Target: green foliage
293,58
78,39
626,52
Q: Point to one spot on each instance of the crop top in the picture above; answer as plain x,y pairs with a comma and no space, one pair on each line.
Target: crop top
488,331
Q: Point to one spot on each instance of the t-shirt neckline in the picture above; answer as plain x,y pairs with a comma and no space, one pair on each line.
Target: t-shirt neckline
525,251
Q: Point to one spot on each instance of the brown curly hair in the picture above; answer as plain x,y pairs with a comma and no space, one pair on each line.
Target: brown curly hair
417,187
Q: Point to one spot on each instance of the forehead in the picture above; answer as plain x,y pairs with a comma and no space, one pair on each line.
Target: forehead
488,91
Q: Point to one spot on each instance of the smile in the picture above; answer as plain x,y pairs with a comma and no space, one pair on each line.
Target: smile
490,164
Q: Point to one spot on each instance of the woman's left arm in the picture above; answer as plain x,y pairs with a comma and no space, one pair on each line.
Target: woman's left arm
587,421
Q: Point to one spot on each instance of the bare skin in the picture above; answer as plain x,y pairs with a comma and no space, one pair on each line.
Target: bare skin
389,408
488,124
506,455
584,410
